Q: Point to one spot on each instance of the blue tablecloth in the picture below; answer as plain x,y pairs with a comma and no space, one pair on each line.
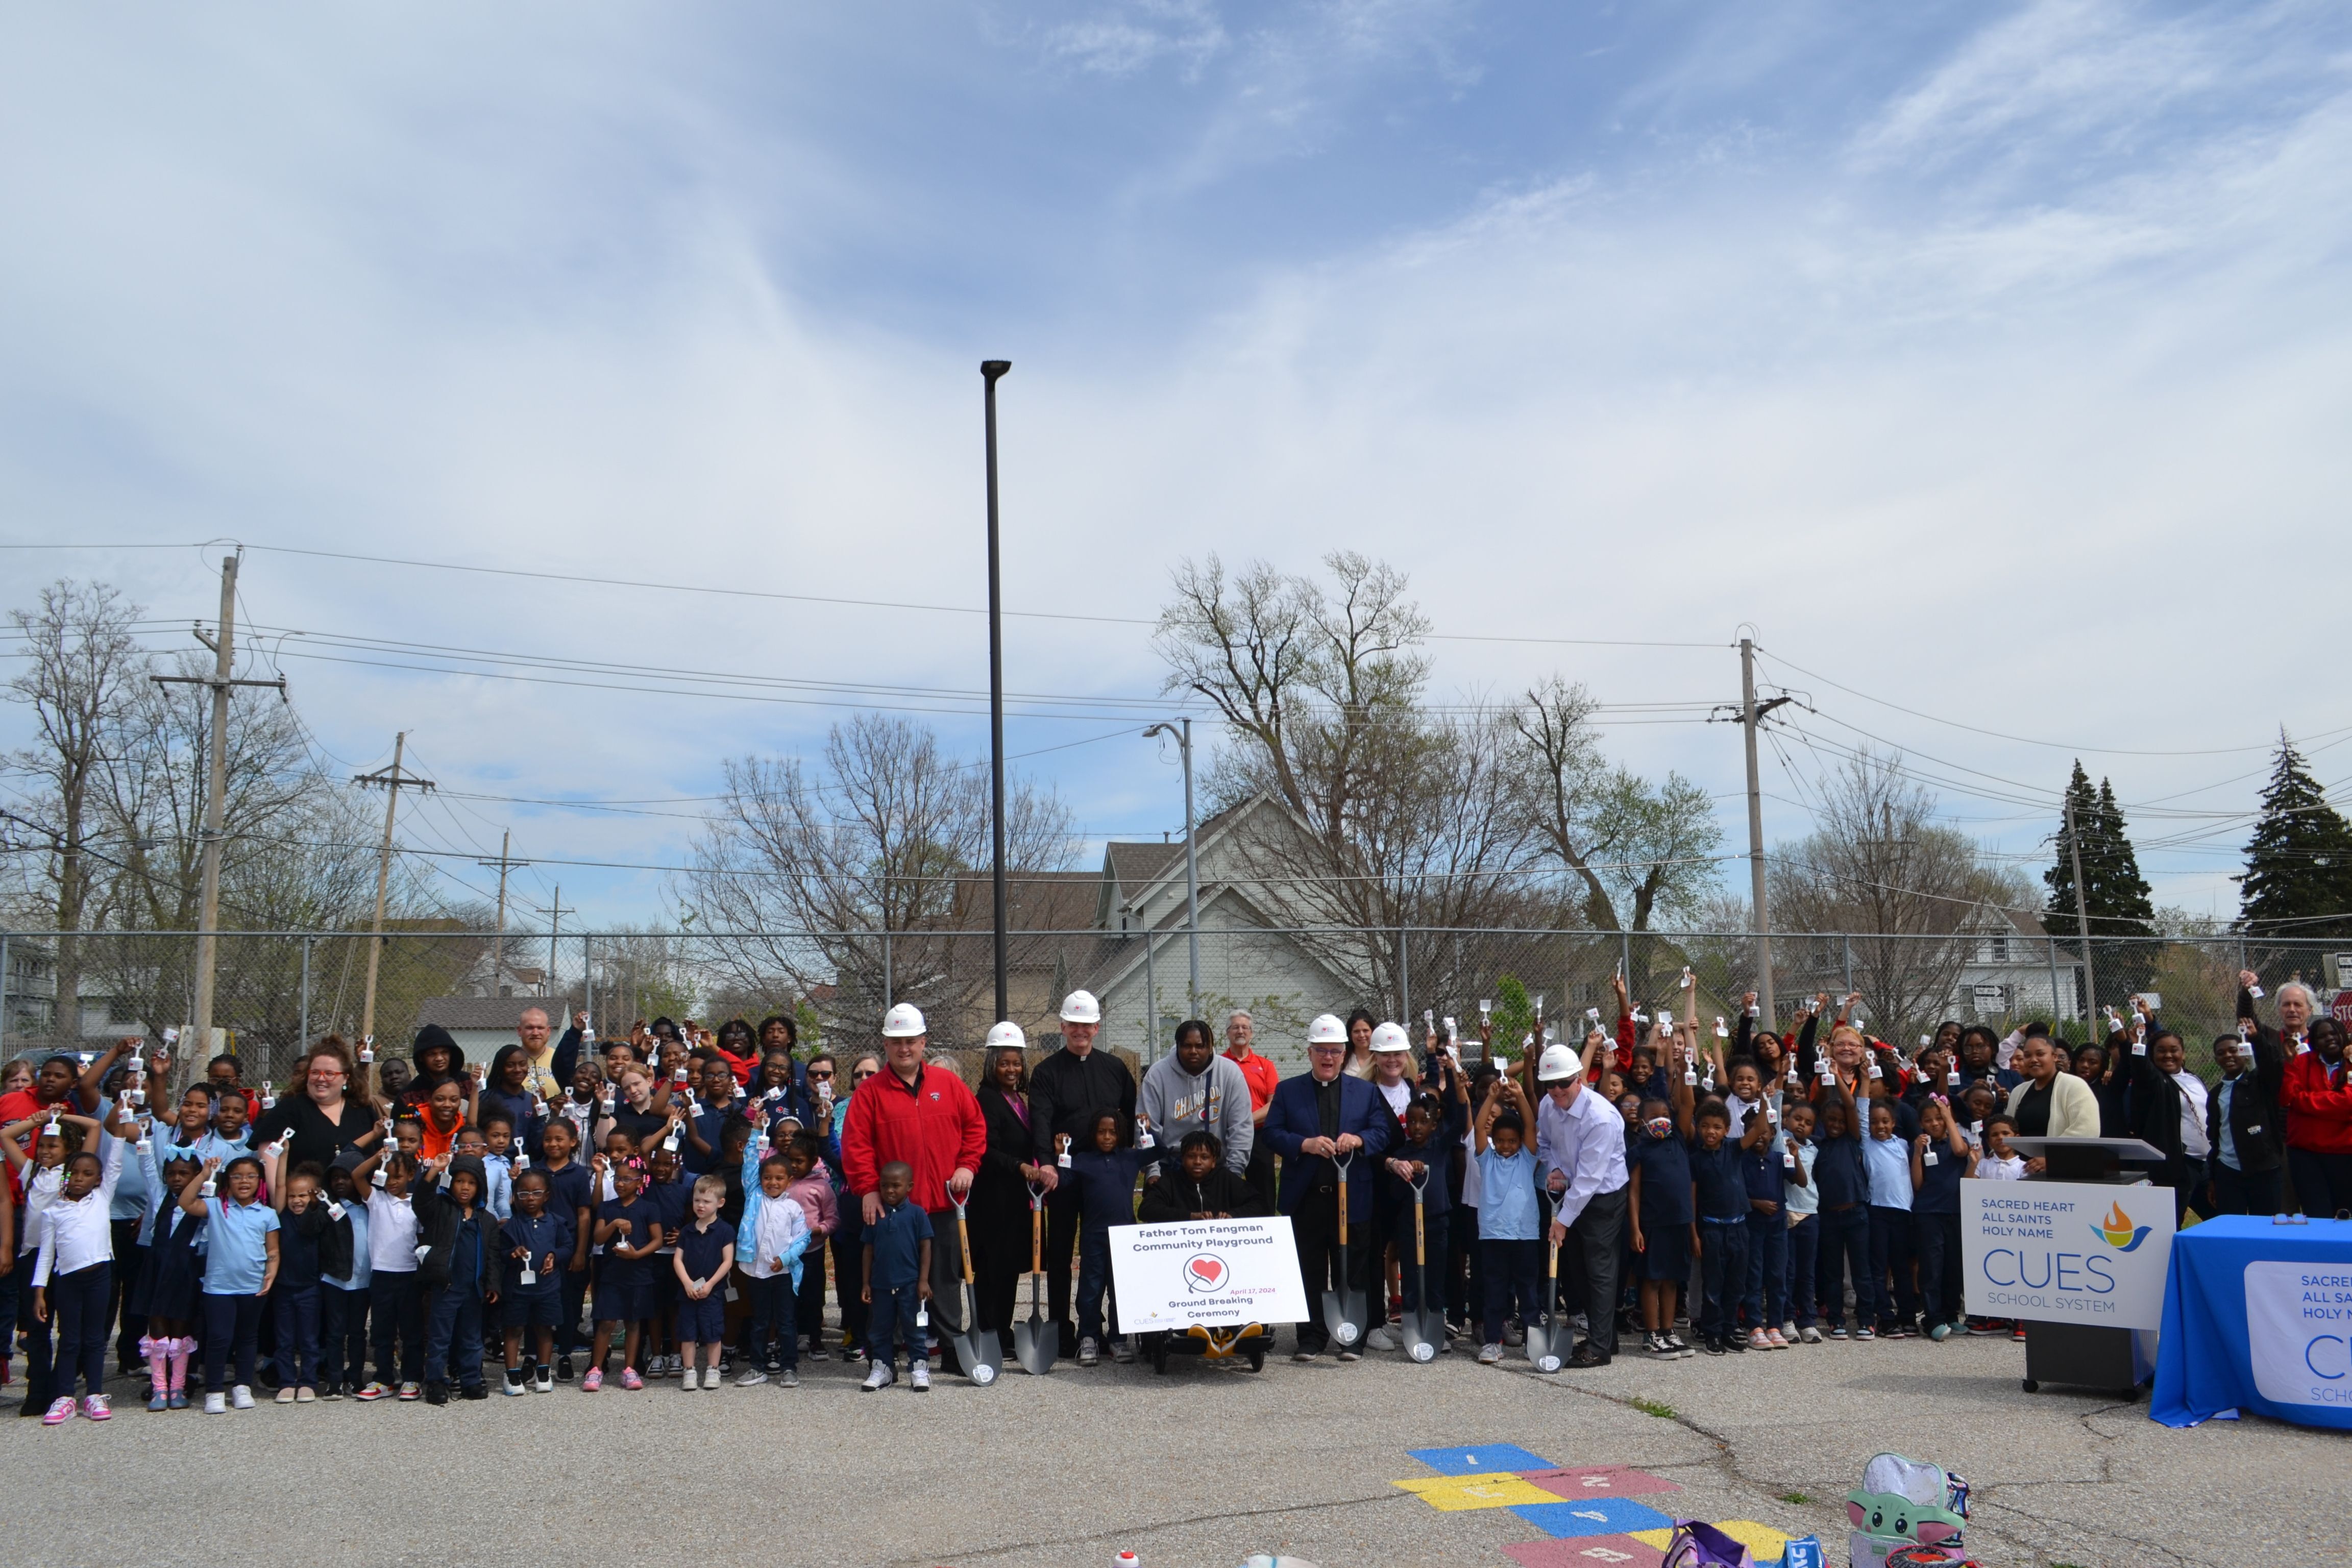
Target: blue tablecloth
2257,1317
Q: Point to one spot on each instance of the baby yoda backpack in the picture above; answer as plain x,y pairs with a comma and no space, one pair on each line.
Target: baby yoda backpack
1906,1504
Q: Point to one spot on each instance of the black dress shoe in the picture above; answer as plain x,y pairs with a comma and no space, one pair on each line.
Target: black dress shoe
474,1391
1586,1356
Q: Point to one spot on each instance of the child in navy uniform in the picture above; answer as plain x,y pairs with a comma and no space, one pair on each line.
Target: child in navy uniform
568,1194
537,1241
459,1272
629,1232
343,1293
897,1280
1664,1227
312,1242
1940,1157
704,1256
1106,1177
1719,1199
1432,1131
1844,1194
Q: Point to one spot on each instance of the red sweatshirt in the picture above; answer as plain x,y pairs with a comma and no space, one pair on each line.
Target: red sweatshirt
934,1125
2318,1105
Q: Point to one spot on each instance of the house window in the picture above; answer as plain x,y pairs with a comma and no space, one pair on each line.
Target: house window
1996,950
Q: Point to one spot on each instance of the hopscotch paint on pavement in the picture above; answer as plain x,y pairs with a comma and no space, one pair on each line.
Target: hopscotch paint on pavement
1587,1512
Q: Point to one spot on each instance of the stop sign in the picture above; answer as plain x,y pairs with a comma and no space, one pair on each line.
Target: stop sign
2342,1009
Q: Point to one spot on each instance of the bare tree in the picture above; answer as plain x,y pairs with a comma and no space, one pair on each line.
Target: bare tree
1639,850
1395,814
85,671
1878,865
805,874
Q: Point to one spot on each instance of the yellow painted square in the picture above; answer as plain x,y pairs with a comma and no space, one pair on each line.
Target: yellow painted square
1764,1544
1455,1494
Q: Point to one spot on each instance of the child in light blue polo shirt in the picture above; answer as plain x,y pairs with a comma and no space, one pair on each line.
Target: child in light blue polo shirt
240,1264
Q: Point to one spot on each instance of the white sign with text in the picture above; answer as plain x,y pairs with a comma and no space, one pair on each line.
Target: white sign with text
1219,1273
2299,1333
2067,1252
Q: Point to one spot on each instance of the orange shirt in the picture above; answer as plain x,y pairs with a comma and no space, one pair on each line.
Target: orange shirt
436,1143
1261,1074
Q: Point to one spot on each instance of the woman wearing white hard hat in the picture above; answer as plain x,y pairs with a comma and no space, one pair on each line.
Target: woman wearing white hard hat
1000,1193
1316,1120
1067,1092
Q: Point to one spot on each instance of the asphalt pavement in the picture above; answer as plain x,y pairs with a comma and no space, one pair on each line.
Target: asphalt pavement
1199,1468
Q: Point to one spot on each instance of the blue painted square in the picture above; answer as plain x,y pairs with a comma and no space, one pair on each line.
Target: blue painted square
1591,1516
1480,1460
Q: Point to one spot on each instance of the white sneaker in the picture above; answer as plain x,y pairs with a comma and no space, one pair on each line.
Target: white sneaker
1811,1336
918,1377
1088,1352
880,1378
215,1403
241,1398
1121,1351
752,1377
1788,1329
692,1381
1490,1354
709,1379
1380,1339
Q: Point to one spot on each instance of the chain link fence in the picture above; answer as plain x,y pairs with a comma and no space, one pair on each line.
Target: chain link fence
277,990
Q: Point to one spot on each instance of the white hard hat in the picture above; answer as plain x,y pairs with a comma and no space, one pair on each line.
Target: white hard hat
1327,1030
1080,1007
903,1021
1558,1064
1007,1035
1390,1037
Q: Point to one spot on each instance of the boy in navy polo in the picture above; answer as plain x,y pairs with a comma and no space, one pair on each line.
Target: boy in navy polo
897,1280
1719,1198
1940,1157
538,1241
1661,1225
568,1194
706,1255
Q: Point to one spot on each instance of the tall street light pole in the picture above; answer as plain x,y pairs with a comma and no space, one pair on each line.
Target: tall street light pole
1182,732
990,370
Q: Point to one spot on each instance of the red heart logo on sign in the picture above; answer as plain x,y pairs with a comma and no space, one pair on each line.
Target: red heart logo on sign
1205,1272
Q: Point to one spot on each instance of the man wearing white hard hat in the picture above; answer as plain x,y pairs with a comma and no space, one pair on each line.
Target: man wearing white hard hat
1581,1156
924,1116
1067,1092
1316,1120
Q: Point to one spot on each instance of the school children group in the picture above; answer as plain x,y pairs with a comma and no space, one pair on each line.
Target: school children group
671,1199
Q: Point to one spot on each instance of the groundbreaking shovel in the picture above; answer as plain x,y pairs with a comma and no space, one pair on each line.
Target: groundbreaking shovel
1343,1309
978,1354
1546,1333
1424,1329
1034,1339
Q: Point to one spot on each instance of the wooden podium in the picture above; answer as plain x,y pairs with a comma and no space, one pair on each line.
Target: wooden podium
2085,1354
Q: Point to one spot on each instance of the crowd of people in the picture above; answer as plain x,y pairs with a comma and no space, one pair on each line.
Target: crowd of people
674,1204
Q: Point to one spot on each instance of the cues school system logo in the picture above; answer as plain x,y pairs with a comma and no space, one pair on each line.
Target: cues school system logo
1205,1272
2118,1230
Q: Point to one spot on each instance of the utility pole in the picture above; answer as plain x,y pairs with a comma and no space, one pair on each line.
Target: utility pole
555,913
1183,730
222,682
2081,911
498,939
1751,714
990,371
392,781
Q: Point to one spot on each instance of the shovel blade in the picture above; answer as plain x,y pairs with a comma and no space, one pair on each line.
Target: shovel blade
1424,1335
979,1356
1544,1343
1034,1341
1343,1316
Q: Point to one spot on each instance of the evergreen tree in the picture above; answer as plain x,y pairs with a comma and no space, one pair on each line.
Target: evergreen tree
2115,895
2298,876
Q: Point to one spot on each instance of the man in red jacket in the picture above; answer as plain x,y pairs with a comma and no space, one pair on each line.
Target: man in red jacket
925,1116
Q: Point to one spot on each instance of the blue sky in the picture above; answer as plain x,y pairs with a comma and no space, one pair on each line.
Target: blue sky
1988,360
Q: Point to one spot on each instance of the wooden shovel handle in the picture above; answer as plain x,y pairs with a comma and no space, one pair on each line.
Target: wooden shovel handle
964,1244
1036,1239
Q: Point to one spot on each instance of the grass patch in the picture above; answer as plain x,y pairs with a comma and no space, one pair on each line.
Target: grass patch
1795,1498
1651,1407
